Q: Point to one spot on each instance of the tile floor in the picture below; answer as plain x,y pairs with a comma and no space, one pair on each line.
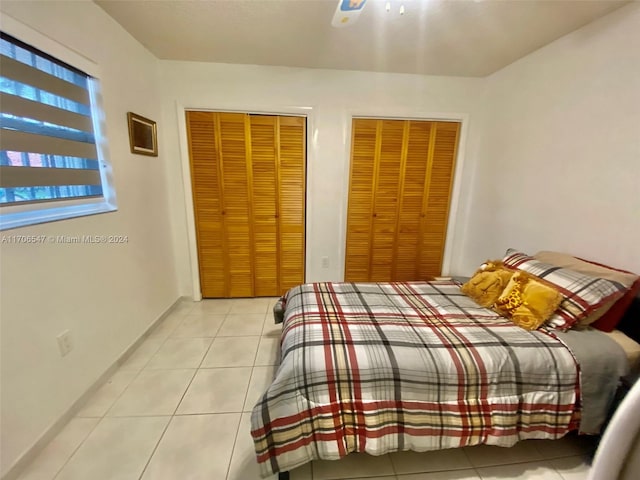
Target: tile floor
178,408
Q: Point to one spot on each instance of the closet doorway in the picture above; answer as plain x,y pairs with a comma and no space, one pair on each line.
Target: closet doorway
248,182
399,196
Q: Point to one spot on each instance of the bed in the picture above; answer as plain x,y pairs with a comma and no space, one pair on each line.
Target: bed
384,367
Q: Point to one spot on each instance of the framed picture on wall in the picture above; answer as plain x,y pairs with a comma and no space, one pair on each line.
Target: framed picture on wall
143,135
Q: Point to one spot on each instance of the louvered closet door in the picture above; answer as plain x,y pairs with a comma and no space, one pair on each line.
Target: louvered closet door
440,169
385,204
265,191
406,266
236,169
364,153
291,200
248,177
400,185
206,186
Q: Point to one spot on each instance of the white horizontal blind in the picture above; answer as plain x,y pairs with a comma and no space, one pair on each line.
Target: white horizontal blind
47,144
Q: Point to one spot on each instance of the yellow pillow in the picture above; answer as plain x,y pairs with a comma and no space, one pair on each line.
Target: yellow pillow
487,283
527,301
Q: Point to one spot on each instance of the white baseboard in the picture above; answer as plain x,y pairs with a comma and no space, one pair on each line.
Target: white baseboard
32,452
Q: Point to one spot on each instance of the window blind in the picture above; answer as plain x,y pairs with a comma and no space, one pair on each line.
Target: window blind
47,142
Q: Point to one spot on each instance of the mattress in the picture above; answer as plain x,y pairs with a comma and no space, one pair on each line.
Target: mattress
631,347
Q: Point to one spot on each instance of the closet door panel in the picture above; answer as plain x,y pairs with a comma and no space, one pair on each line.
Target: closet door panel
437,199
361,194
291,208
408,238
385,208
207,202
400,190
237,209
265,231
248,177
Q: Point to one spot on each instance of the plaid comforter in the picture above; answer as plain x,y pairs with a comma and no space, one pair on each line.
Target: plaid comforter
417,366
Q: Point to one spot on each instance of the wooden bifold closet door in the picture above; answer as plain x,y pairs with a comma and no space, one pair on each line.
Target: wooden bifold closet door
400,189
248,181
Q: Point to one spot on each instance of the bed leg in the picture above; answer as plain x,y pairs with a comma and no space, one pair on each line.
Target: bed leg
278,312
283,475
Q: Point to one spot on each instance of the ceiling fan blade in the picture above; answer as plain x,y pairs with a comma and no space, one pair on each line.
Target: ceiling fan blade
347,12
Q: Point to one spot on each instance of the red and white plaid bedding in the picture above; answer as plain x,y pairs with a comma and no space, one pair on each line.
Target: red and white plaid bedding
417,366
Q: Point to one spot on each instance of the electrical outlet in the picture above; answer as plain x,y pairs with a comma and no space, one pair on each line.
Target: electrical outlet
325,262
65,345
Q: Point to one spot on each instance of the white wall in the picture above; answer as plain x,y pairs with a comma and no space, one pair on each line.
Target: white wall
106,295
559,162
333,97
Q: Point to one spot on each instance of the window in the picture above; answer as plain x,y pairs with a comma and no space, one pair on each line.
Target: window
51,161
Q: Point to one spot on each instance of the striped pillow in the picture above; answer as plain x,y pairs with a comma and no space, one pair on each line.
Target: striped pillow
582,293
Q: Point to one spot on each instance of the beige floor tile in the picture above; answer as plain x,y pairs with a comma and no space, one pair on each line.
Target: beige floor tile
261,378
567,446
117,449
270,315
377,477
487,455
166,327
180,353
268,351
105,397
231,352
455,475
236,325
572,468
220,306
250,305
198,326
243,462
354,465
271,329
433,461
183,307
141,355
519,471
194,447
216,390
49,462
153,392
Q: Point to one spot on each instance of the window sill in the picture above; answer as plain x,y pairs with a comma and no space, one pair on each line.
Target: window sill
15,217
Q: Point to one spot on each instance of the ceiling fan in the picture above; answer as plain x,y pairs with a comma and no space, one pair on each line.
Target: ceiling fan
348,11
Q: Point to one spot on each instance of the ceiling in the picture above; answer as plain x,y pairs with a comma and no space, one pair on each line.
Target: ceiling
471,38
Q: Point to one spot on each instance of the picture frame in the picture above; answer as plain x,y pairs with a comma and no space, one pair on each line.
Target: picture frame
143,135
